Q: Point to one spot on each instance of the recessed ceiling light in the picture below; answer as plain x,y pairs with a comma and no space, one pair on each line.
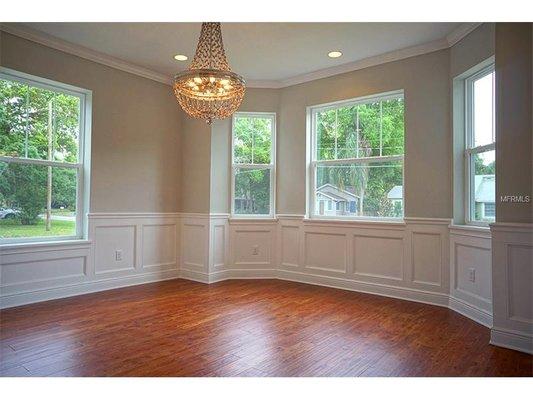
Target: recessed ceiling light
334,54
181,57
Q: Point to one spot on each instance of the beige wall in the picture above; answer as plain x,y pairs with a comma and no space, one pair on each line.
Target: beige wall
477,46
135,163
425,80
148,156
196,166
514,162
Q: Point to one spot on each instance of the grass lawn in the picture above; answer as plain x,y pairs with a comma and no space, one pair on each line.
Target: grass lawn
65,213
13,229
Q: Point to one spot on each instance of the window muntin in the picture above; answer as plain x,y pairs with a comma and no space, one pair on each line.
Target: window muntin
42,158
253,164
480,152
356,163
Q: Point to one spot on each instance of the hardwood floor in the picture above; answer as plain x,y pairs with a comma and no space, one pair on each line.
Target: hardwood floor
246,328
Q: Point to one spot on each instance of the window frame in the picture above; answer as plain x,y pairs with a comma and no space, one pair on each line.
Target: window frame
469,140
84,151
271,166
312,162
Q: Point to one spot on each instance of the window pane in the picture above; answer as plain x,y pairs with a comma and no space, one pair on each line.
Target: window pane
346,132
252,191
371,129
484,186
370,189
393,127
67,127
13,98
252,140
23,201
38,123
326,133
483,110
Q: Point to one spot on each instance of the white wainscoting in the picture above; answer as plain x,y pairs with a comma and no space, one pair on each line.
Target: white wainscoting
471,273
378,257
512,254
148,243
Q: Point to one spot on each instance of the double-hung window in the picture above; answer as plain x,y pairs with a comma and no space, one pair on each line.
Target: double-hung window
480,178
43,158
356,158
253,164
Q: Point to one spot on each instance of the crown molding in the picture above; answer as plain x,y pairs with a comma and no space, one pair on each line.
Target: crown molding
459,33
101,58
440,44
83,52
367,62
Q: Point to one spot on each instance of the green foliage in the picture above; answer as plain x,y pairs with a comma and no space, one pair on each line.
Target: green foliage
27,114
253,140
481,168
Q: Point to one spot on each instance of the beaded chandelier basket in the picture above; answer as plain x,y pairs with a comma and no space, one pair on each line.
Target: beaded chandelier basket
208,89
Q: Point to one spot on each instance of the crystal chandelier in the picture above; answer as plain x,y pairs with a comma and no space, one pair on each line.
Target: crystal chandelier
208,89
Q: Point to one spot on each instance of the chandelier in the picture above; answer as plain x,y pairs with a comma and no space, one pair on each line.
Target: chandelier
208,89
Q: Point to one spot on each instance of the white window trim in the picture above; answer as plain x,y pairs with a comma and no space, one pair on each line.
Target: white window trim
470,150
271,166
83,166
312,162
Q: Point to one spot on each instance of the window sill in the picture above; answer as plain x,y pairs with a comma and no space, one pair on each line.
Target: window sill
338,221
470,230
252,219
44,244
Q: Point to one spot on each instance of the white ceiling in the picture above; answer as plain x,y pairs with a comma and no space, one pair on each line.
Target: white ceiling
258,51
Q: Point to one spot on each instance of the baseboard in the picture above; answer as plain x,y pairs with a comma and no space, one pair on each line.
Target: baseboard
226,274
196,276
470,311
77,289
511,340
420,296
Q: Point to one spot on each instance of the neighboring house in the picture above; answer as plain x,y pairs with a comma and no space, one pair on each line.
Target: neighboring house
332,200
484,194
395,195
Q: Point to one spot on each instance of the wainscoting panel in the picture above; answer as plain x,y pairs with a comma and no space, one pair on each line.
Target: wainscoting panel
289,246
325,251
195,244
426,249
25,272
252,244
159,245
471,274
380,257
108,241
512,254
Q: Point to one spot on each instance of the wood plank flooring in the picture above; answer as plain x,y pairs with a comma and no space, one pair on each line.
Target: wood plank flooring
246,328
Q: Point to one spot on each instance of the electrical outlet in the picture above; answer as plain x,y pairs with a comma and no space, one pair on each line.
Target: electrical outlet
472,274
255,250
118,255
